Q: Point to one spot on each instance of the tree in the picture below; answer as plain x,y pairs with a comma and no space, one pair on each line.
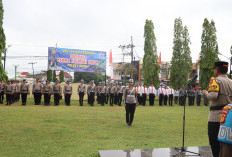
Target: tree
2,44
49,75
181,60
151,66
53,76
88,76
209,52
61,76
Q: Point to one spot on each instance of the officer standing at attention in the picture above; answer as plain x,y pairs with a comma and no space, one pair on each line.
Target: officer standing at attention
81,91
182,94
57,93
17,90
103,94
144,95
47,91
24,90
161,94
219,94
13,95
67,93
107,93
198,93
8,91
91,90
120,93
130,102
111,91
2,85
170,95
37,90
116,94
98,93
151,92
140,94
165,95
176,95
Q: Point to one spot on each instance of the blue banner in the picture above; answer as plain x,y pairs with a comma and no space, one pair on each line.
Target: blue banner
76,60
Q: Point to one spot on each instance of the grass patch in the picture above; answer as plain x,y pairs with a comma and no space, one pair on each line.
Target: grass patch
81,131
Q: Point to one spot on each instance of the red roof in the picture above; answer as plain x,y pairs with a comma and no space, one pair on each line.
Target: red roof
24,73
66,75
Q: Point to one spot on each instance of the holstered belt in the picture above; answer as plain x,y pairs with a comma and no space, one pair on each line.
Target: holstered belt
212,108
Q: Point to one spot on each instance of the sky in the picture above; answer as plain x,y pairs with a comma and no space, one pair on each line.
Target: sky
31,26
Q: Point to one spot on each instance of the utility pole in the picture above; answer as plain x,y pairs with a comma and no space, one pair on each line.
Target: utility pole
129,46
15,72
32,63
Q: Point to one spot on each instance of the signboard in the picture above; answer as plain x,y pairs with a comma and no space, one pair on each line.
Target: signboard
76,60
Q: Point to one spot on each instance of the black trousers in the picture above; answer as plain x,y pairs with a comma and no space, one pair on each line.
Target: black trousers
139,99
111,99
176,99
102,99
1,97
24,98
144,99
198,100
81,97
151,99
182,101
17,96
165,99
130,111
8,99
213,129
107,98
170,98
161,99
12,98
56,99
91,98
88,98
98,98
37,98
119,99
116,99
46,98
193,100
67,99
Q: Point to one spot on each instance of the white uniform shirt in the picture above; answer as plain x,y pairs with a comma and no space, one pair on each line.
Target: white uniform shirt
140,91
171,91
166,92
176,93
151,90
145,90
161,91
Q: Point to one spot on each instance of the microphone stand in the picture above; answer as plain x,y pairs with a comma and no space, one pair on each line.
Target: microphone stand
182,150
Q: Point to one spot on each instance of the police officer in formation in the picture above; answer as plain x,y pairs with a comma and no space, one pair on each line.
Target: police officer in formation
57,90
161,94
116,94
91,91
130,102
24,90
170,95
219,95
176,96
198,93
47,91
98,92
152,93
67,93
120,93
37,90
191,97
8,90
17,91
81,92
144,95
102,91
182,94
2,86
107,93
111,92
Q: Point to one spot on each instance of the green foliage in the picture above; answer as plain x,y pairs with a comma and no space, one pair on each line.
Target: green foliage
231,50
49,75
88,76
2,44
209,52
181,59
61,76
151,66
54,76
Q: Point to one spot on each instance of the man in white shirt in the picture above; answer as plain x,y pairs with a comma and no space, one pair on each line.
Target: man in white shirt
151,92
165,95
144,95
170,95
161,94
176,95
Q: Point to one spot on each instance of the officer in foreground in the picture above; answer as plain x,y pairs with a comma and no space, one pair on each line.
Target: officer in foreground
219,94
57,93
24,90
130,102
81,92
67,93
